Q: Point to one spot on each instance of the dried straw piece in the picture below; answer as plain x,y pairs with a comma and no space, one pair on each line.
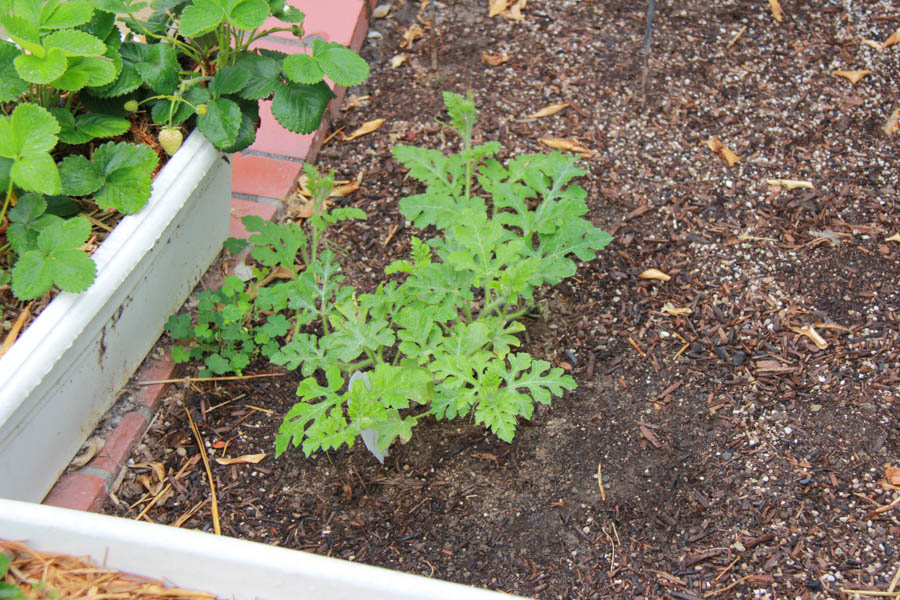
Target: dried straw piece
217,528
75,578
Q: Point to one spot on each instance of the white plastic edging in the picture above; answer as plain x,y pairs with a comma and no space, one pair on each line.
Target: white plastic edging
64,372
228,567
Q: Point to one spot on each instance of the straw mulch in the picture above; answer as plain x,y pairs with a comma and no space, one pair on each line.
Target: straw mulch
50,575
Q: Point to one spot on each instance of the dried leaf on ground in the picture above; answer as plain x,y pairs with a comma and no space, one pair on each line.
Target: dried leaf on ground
280,272
494,60
547,111
399,59
497,7
892,474
342,187
242,271
365,128
650,436
92,447
354,101
892,40
872,44
892,125
853,77
345,188
717,147
671,309
245,459
156,466
893,238
654,274
833,238
812,334
566,144
776,10
305,211
515,11
790,184
412,34
381,11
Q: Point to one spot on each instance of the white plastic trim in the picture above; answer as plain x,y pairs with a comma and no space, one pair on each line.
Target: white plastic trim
64,372
227,567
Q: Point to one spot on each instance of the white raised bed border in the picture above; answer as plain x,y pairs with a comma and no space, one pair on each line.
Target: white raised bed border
65,371
227,567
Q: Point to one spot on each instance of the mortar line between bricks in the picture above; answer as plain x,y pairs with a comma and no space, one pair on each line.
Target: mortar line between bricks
99,473
251,152
293,42
147,412
279,204
148,407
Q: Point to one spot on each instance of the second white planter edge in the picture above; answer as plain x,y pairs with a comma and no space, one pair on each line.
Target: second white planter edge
227,567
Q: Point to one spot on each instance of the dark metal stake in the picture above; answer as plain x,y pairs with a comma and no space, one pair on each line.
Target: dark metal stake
650,10
434,35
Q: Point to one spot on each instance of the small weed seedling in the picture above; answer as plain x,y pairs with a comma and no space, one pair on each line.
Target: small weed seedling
8,590
231,329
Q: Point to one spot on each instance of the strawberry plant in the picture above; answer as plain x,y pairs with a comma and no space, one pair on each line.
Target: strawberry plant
62,51
69,78
231,77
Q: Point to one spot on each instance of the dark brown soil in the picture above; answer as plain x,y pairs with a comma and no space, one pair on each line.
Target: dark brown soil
737,458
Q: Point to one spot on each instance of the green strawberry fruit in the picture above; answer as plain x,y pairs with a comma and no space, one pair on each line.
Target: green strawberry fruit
131,106
170,139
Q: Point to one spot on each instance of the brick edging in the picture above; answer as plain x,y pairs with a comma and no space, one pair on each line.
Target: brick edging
88,487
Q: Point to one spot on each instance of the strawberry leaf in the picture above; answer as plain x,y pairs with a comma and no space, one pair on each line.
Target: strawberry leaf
299,108
303,68
201,17
57,260
26,137
339,63
222,122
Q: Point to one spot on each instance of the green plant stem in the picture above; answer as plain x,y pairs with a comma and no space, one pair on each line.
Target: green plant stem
324,324
7,199
467,141
261,34
186,48
314,247
491,308
372,356
515,315
468,309
355,366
